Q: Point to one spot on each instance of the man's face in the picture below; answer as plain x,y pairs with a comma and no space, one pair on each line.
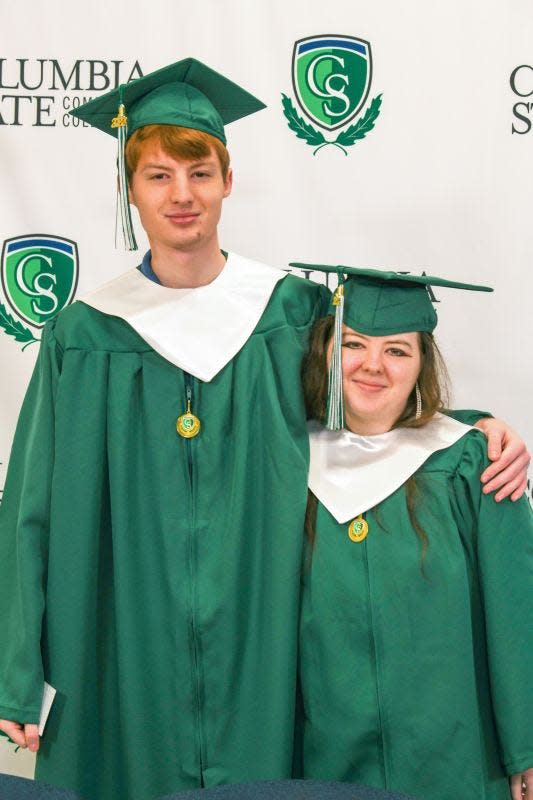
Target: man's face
179,202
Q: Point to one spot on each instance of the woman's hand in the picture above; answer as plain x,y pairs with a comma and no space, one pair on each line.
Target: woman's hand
510,457
23,735
522,785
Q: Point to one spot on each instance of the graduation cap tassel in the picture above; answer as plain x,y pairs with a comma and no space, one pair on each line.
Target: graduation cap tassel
123,207
335,412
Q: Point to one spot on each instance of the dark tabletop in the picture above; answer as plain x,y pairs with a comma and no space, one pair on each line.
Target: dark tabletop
12,788
288,790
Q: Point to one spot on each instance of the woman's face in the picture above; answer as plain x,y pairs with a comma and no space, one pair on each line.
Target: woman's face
379,374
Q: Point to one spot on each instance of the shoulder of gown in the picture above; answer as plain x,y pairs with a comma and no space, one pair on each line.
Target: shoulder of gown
465,457
295,301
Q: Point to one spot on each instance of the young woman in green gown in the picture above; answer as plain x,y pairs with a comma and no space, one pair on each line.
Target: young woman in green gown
416,637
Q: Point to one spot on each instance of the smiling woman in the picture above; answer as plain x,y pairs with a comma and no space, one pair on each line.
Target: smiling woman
415,648
433,379
379,374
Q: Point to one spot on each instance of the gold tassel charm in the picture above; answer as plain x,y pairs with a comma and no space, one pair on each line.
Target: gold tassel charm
123,213
188,425
358,529
121,120
337,297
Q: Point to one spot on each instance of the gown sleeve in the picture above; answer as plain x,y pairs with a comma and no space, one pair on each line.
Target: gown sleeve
467,416
24,523
503,549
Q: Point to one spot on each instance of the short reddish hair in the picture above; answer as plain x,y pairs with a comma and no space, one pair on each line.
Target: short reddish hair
187,144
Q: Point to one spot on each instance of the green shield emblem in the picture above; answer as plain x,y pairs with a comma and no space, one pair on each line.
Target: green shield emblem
39,276
331,76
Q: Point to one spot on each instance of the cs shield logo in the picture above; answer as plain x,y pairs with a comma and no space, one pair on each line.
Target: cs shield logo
331,77
39,278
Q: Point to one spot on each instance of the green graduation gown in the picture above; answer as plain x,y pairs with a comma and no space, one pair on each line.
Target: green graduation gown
153,580
417,677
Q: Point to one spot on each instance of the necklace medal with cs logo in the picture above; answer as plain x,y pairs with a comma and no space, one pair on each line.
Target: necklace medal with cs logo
39,278
331,76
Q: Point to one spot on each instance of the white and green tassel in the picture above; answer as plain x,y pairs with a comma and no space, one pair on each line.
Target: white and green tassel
335,411
123,205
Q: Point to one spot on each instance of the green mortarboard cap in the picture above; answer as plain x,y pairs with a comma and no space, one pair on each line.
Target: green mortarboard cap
379,303
376,303
188,94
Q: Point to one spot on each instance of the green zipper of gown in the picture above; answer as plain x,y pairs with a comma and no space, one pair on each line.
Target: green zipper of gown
375,657
192,567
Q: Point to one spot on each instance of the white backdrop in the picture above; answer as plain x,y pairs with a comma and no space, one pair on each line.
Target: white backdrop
442,183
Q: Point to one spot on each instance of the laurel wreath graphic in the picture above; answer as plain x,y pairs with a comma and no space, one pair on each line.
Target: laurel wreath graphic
346,138
15,328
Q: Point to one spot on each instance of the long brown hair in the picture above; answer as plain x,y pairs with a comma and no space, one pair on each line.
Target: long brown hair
433,382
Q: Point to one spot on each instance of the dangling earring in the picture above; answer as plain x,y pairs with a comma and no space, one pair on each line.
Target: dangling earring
418,396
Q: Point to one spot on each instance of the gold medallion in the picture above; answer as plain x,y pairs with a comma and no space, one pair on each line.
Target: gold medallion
188,425
358,529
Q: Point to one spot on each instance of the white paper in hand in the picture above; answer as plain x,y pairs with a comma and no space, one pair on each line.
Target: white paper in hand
48,698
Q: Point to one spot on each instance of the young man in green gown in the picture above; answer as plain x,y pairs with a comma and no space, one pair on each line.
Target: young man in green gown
150,533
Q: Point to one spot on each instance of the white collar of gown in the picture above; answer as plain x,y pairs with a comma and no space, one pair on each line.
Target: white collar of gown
199,330
350,473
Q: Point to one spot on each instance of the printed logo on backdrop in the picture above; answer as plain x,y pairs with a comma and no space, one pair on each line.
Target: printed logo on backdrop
39,277
521,81
331,78
39,92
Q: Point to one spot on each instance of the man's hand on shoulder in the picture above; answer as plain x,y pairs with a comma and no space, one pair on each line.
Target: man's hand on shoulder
507,475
